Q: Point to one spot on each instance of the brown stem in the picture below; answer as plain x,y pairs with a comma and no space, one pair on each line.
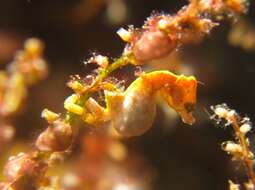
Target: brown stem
247,160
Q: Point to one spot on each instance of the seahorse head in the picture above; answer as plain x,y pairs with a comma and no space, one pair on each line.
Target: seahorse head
182,97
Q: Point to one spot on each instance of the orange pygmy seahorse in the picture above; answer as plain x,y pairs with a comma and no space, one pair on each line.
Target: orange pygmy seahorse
132,112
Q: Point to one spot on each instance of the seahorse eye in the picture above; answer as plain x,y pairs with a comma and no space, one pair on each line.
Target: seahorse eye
189,107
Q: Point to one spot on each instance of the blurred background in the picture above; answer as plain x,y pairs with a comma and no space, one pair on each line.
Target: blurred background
182,157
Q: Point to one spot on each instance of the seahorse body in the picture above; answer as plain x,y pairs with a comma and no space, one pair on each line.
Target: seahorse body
132,112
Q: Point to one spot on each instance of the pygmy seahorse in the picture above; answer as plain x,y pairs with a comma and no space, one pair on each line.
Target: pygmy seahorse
132,112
